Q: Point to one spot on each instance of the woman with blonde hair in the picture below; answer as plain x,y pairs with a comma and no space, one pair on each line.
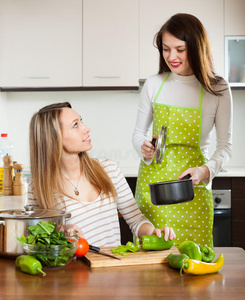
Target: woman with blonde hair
64,177
191,100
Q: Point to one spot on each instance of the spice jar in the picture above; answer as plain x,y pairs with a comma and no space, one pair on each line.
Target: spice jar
18,185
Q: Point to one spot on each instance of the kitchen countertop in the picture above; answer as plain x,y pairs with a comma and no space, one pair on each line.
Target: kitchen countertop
153,281
227,172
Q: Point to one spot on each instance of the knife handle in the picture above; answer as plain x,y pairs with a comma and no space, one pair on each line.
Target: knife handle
94,248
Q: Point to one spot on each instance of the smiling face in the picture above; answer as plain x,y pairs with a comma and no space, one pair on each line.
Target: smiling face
175,55
75,134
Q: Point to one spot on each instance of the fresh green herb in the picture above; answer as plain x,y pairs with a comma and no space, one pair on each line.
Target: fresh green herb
48,245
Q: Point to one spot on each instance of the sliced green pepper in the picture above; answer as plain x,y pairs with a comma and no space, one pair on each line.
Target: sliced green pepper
191,249
153,242
120,250
131,247
176,261
207,253
29,264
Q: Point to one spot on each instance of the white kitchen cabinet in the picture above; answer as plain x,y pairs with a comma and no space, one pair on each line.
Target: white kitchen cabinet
154,13
110,43
41,43
234,17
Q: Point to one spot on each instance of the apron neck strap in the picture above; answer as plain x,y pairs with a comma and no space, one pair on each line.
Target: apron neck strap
159,91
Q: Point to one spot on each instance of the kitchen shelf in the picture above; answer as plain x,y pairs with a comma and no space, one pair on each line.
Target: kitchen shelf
67,89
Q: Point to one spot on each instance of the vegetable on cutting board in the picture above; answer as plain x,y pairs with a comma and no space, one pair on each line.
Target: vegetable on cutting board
129,247
149,242
29,264
153,242
196,267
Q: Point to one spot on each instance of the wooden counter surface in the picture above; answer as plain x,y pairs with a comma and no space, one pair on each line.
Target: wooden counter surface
157,281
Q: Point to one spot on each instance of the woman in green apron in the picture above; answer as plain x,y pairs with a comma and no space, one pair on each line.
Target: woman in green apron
189,99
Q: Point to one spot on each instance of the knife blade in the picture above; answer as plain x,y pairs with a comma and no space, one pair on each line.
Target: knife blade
97,250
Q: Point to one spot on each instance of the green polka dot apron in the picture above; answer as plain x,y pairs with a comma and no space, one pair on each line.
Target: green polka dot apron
191,220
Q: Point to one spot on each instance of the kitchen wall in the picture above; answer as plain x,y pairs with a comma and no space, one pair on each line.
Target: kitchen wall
3,112
110,115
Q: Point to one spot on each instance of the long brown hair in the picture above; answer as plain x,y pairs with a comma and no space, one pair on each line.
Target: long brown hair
46,146
188,28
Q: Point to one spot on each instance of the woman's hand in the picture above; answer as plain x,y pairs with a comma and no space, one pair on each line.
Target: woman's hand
147,149
72,230
168,233
197,174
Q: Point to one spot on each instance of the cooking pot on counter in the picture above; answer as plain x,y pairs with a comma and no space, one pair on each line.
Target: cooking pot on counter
172,192
14,223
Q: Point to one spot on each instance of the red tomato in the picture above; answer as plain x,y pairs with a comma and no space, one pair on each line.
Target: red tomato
82,248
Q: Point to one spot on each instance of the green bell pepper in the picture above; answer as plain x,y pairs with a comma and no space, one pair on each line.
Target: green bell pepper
29,264
153,242
191,249
176,261
207,253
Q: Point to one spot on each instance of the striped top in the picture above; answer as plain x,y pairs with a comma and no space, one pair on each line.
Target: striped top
99,219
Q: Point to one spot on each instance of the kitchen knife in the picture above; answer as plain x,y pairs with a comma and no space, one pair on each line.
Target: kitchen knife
97,250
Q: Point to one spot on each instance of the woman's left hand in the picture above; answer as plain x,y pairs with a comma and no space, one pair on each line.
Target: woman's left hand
197,174
72,230
168,233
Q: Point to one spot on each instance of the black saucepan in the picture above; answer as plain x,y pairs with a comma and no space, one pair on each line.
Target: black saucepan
171,192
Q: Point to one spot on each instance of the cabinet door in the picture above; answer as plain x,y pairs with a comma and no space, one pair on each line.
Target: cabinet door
154,13
41,43
110,43
234,17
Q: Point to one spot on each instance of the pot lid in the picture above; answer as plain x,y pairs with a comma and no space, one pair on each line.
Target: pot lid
159,144
31,213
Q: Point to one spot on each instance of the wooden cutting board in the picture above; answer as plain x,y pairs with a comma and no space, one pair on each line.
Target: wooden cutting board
95,260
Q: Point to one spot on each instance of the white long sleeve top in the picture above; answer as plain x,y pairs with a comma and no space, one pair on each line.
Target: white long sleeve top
184,91
99,219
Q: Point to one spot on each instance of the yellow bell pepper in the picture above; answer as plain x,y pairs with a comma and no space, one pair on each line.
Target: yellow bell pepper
196,267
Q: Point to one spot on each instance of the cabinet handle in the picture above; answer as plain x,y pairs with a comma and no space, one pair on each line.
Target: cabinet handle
107,76
39,77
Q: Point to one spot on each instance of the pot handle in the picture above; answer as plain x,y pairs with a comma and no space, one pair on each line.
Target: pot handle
153,142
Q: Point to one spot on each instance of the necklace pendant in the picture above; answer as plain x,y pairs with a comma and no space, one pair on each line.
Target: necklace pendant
76,192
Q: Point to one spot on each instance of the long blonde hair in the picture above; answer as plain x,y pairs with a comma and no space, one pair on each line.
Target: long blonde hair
46,146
